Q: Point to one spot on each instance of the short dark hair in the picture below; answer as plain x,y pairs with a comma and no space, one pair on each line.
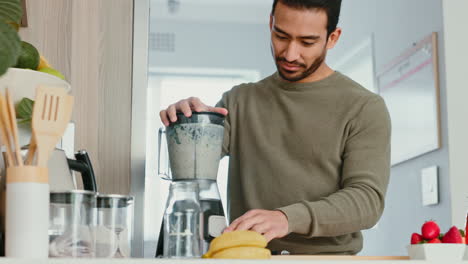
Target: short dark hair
331,7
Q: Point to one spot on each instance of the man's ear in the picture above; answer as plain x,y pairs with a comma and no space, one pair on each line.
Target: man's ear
333,38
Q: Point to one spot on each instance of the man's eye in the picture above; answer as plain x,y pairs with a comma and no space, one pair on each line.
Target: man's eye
280,37
308,44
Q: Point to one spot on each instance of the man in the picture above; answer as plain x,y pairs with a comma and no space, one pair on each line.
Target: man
309,148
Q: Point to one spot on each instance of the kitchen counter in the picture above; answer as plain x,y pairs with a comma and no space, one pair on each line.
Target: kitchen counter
276,260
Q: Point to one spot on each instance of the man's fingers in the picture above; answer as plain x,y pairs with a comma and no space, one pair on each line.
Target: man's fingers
236,222
171,113
197,105
184,107
249,223
269,236
232,226
260,228
219,110
163,116
251,213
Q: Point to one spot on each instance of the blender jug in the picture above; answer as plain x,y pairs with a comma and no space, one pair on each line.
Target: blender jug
182,221
194,145
190,150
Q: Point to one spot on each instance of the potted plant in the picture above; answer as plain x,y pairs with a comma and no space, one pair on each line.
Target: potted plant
10,43
22,68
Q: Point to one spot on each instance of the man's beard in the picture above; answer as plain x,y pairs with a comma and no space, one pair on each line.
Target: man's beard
307,72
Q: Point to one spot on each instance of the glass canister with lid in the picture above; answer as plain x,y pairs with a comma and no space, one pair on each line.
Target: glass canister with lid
115,226
72,221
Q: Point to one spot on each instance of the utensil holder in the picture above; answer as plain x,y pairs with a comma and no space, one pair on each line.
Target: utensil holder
27,212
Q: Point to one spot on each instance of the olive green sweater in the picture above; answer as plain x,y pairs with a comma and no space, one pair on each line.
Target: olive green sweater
319,152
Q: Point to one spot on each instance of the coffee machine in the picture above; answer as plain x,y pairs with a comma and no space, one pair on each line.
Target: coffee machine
194,146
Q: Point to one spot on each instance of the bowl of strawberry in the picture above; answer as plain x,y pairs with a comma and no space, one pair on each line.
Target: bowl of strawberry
431,244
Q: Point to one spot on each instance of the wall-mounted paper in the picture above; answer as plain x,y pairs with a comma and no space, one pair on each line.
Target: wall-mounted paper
410,87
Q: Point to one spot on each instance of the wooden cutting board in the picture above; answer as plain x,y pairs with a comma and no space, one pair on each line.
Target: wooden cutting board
337,257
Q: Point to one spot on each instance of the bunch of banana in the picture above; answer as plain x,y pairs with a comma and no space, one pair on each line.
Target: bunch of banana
239,245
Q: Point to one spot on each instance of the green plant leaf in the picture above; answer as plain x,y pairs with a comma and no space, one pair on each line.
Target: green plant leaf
9,47
24,109
10,11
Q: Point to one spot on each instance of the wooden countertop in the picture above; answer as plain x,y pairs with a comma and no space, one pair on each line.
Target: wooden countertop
337,257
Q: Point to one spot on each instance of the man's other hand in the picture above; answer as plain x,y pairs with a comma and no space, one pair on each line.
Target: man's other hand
271,224
186,106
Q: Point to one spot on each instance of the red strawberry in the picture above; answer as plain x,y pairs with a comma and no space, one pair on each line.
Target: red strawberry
433,241
466,229
453,236
430,230
416,238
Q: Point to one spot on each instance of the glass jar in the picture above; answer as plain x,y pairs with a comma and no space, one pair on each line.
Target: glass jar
72,221
115,226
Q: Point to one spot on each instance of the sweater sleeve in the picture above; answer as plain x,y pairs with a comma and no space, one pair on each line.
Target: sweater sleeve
359,203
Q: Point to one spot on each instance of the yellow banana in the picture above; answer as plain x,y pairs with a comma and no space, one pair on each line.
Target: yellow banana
43,63
236,239
243,253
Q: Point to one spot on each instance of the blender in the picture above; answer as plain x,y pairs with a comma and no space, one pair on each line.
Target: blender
194,145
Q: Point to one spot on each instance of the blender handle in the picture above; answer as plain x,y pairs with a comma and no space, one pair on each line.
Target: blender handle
163,172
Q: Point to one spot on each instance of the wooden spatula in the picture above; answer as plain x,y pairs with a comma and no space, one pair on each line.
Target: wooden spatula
51,115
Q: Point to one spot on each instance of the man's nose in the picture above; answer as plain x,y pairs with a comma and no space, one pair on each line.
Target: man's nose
292,52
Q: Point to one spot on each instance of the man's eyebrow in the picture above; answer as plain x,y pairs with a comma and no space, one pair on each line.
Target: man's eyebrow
311,37
277,29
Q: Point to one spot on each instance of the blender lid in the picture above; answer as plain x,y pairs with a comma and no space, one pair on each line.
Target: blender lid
200,117
114,200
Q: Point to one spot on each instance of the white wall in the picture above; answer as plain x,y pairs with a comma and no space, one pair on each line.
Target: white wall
456,58
223,45
396,25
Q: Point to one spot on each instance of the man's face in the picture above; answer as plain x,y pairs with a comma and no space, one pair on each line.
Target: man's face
299,41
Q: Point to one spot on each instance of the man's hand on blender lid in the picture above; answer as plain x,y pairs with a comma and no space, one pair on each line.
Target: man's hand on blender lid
186,106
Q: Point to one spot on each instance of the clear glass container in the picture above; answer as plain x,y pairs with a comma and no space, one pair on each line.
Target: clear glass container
71,224
182,221
115,226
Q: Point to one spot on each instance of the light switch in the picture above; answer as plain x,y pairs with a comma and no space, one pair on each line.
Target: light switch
430,186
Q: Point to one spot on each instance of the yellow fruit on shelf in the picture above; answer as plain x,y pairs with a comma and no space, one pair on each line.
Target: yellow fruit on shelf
53,72
243,253
43,63
239,245
237,239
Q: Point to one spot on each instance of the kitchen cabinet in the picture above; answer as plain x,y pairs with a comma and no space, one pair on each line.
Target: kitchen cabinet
90,42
